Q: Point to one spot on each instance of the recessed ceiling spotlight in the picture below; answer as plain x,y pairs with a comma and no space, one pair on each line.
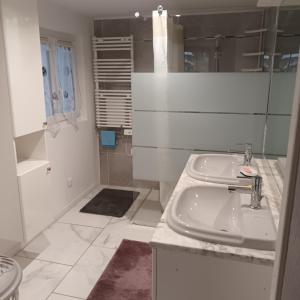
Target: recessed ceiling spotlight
137,14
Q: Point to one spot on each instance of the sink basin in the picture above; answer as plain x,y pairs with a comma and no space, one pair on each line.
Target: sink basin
218,168
212,213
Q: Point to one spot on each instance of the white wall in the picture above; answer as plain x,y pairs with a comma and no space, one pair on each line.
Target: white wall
73,153
10,214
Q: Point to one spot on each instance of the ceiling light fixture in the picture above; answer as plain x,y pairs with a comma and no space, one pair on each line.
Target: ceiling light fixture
178,16
137,14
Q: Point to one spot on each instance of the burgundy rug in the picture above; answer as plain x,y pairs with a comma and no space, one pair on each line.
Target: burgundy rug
128,276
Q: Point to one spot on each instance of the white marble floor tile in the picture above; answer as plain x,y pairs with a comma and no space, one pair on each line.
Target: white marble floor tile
84,275
40,278
150,212
137,203
60,297
74,216
24,262
117,230
61,243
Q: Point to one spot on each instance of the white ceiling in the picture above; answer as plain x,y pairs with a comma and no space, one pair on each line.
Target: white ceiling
126,8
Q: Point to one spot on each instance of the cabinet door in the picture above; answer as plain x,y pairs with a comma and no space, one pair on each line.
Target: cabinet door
34,189
23,53
11,232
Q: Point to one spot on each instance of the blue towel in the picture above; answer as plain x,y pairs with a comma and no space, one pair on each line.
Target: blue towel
108,139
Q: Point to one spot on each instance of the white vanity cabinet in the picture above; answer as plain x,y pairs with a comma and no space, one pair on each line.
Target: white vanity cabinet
180,274
195,269
24,66
34,185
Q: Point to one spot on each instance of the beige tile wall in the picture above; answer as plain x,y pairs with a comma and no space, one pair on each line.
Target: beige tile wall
116,165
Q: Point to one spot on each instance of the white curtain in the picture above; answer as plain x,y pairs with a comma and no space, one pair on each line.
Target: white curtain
51,100
68,91
168,44
160,41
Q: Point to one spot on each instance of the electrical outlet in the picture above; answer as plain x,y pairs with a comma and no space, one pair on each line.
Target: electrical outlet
70,182
127,131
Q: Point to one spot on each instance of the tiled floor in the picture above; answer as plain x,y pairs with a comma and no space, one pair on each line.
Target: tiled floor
65,261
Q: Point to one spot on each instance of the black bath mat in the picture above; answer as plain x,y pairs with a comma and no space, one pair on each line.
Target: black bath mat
109,202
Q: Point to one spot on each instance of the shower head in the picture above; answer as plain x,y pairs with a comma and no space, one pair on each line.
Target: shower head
160,9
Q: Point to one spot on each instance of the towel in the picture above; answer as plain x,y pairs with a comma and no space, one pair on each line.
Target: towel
108,139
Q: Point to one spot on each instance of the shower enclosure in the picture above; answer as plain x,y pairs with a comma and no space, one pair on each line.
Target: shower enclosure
213,97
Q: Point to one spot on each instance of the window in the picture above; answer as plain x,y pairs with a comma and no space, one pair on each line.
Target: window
47,79
59,78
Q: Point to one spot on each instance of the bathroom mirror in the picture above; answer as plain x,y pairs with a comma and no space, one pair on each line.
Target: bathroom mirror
226,42
283,74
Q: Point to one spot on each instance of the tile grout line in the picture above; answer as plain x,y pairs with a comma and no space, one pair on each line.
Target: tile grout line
72,267
142,203
108,168
64,295
57,222
89,226
43,260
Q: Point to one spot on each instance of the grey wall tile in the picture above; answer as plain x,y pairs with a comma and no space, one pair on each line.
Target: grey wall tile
116,27
145,184
143,56
227,24
104,168
120,169
123,146
141,29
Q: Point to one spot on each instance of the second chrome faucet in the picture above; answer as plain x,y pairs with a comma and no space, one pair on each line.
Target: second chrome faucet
254,188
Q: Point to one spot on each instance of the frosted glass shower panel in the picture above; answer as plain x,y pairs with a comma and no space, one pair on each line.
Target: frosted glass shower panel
201,92
177,114
282,93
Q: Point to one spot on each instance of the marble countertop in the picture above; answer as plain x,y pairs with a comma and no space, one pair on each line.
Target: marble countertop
165,237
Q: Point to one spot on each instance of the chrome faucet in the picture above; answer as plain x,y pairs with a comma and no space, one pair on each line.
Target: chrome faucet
254,188
248,154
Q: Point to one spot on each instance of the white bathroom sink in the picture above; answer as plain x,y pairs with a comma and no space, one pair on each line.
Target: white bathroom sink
218,168
212,213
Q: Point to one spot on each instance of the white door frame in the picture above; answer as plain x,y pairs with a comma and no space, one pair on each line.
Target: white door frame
291,193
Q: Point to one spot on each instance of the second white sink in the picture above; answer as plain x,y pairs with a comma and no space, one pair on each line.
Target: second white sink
218,168
212,213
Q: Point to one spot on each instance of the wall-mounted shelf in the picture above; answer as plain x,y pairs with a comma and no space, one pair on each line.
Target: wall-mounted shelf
31,147
256,55
33,173
252,70
251,54
253,31
27,166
